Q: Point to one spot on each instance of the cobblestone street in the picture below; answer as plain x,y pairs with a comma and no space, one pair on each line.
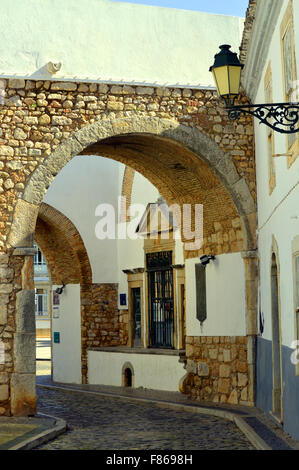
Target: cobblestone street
109,424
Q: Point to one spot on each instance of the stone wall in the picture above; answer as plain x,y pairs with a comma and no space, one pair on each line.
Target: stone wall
39,117
17,334
217,369
7,326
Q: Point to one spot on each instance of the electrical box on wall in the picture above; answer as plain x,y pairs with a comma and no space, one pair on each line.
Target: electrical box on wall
56,335
123,299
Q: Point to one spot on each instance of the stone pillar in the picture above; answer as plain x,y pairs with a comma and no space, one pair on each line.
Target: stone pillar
6,332
251,280
23,379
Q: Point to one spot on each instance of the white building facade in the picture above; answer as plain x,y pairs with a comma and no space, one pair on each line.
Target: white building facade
271,75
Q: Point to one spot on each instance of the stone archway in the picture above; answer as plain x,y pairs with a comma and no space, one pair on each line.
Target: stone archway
207,175
94,139
67,261
62,247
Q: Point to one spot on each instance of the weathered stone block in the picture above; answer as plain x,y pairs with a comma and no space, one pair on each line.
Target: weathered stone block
144,90
3,314
191,367
115,106
30,120
226,355
189,350
244,394
161,91
14,100
23,226
242,380
61,121
203,369
4,378
242,366
213,353
5,288
23,395
83,88
224,386
64,86
6,274
16,83
224,370
19,134
3,259
14,165
25,315
233,398
44,119
128,90
24,353
103,88
6,151
3,392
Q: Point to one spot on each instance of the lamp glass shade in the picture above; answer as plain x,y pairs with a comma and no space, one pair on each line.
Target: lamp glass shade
227,79
227,74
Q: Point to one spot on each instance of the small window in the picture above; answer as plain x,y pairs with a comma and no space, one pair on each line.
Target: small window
270,132
38,257
289,73
41,302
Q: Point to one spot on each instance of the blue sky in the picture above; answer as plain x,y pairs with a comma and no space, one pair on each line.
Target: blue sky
225,7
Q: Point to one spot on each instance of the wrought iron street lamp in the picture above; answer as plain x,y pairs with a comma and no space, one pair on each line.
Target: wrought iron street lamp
282,117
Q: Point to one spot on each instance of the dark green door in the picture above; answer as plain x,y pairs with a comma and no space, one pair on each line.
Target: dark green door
137,316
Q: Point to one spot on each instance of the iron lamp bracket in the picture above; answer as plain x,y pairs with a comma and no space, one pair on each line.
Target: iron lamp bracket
281,117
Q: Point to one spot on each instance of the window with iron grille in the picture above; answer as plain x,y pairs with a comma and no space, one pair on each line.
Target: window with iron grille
38,257
41,302
160,299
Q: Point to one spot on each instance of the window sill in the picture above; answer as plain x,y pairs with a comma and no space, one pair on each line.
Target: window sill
128,350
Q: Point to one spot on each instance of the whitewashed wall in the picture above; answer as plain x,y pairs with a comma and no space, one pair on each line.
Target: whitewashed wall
101,40
152,371
66,355
278,213
225,297
83,184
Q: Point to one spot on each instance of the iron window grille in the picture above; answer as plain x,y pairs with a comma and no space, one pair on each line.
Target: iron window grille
160,299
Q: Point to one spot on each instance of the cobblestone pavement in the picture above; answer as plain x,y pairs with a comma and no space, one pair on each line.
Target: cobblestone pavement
108,424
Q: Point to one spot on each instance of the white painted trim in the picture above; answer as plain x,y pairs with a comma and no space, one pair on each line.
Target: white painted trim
267,13
108,81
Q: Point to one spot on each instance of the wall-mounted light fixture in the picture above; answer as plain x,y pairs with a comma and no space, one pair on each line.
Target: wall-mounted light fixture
205,259
281,117
59,290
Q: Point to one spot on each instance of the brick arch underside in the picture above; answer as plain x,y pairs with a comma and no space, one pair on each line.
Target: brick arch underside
183,163
126,193
62,247
182,179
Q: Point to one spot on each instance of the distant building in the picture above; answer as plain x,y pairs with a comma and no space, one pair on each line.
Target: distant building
42,296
